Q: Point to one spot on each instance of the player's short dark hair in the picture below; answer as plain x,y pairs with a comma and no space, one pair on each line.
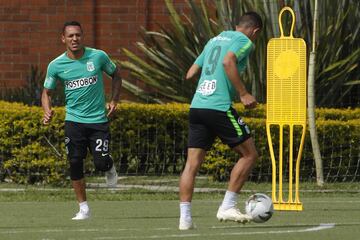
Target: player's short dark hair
251,19
71,23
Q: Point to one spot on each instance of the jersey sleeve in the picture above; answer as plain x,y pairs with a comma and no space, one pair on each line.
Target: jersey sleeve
200,59
241,48
51,76
107,65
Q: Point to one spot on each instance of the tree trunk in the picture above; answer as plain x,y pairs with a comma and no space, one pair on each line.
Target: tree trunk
311,105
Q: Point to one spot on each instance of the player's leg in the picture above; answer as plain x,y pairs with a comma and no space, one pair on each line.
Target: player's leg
195,157
244,165
200,139
186,186
79,189
76,148
235,133
239,174
99,135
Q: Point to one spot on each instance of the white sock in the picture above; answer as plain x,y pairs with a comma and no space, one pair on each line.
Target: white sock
230,200
185,211
84,207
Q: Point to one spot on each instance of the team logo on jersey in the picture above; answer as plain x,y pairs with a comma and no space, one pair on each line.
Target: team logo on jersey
221,38
82,82
90,66
207,87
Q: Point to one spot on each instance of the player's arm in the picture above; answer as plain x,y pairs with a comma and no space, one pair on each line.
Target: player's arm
46,105
193,72
115,91
50,83
195,69
232,72
111,70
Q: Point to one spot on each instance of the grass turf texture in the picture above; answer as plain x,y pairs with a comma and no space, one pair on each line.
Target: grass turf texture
45,213
158,220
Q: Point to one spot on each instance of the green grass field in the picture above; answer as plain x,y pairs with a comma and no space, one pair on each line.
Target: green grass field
45,213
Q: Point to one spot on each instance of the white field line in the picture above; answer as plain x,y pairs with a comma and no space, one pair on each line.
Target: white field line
59,230
322,226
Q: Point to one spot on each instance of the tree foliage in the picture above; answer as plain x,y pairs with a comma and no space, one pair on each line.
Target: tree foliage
167,54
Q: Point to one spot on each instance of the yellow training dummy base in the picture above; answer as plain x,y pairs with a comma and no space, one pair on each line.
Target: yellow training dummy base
286,107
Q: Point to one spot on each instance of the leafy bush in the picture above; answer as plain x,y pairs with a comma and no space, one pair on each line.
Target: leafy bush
26,155
150,139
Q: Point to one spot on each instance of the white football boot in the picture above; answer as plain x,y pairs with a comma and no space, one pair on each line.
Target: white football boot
111,177
186,225
82,215
232,214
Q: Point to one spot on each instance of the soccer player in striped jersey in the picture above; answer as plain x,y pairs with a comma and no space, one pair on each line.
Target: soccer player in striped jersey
80,71
211,114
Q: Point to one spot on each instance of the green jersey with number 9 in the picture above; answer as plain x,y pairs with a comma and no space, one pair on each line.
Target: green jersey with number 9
215,90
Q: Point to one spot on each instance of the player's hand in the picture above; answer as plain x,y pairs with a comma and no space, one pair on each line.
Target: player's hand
111,108
248,100
47,116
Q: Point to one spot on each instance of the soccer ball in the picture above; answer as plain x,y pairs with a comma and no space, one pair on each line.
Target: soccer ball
260,207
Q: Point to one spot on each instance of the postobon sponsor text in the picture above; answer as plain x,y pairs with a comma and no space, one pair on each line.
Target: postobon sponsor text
82,82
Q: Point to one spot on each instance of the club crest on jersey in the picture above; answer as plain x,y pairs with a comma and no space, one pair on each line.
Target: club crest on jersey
90,66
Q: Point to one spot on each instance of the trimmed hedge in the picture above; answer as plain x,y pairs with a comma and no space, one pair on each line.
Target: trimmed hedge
343,114
25,154
149,139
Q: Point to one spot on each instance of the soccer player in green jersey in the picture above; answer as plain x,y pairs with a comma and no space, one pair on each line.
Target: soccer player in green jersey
211,114
80,71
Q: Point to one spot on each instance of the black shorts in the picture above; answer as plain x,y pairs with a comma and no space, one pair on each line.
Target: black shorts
81,137
206,124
